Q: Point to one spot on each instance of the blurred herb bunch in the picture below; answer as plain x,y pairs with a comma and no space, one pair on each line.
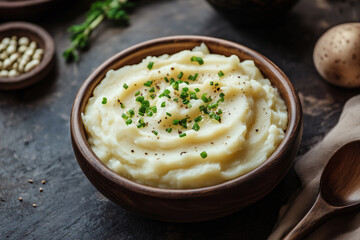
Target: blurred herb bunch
116,10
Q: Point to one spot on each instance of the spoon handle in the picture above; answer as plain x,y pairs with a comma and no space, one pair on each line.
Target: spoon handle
316,216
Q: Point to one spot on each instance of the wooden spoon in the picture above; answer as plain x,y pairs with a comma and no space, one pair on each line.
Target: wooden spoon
339,190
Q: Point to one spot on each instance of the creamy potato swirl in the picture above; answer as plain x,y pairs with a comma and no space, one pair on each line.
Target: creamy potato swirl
237,135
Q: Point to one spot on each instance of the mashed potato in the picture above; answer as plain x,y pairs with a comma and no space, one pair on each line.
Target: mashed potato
187,120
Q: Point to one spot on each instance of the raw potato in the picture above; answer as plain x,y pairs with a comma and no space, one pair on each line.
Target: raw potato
337,55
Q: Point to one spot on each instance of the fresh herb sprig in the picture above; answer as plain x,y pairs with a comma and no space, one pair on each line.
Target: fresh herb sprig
116,10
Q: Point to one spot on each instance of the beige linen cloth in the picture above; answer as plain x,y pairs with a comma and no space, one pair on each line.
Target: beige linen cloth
309,168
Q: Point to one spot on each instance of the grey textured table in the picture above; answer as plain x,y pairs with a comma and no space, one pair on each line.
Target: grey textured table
34,123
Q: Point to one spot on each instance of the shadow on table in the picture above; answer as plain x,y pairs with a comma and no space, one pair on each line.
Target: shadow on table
255,222
35,92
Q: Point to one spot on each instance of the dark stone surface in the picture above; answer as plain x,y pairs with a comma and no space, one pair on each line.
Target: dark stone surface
34,123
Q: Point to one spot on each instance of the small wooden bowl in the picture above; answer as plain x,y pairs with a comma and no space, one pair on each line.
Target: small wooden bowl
188,205
43,40
21,9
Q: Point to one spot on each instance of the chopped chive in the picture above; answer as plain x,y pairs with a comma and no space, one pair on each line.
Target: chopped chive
163,104
104,100
141,113
176,99
211,83
148,83
205,99
122,105
196,126
172,80
145,103
137,93
211,115
165,93
189,105
184,95
203,154
169,130
185,89
176,121
153,96
131,112
191,77
197,59
149,113
203,109
193,95
198,119
183,122
124,116
219,112
217,117
186,101
169,114
152,89
212,105
182,135
222,95
220,73
154,109
129,121
181,74
150,65
197,90
142,109
141,123
166,79
155,132
140,99
125,86
216,84
176,86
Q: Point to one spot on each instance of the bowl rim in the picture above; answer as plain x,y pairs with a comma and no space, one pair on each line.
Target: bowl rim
22,3
79,138
37,73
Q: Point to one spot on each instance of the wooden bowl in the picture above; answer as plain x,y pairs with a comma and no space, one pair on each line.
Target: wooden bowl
21,9
198,204
43,40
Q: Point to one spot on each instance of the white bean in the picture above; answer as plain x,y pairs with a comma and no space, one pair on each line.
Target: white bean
33,45
24,41
21,67
7,63
22,49
6,41
3,55
29,52
2,47
13,42
13,73
25,59
4,73
11,49
15,66
31,65
14,57
38,54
